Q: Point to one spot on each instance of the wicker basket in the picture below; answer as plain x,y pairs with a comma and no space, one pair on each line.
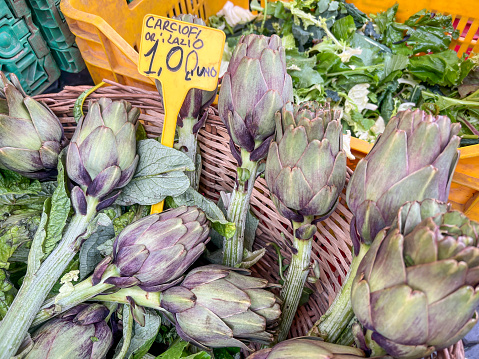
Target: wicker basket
331,246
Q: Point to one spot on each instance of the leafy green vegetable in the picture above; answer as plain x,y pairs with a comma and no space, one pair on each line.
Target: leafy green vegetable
178,350
7,293
344,28
159,174
142,337
58,209
331,47
443,68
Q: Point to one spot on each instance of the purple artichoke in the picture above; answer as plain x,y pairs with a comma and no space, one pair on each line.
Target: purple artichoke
306,165
155,251
414,159
102,154
31,136
255,86
416,289
80,333
217,306
308,348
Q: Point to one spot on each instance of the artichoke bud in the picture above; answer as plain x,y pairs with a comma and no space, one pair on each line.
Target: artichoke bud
80,332
31,136
217,306
155,251
428,272
102,155
306,164
255,86
414,159
308,347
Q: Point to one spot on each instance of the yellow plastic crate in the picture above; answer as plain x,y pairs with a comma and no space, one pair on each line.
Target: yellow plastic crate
108,32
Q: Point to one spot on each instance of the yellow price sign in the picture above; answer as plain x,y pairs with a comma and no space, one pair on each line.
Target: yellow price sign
182,56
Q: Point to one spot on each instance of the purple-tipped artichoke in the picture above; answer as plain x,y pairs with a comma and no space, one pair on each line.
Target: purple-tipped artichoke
80,333
417,287
255,86
217,306
306,164
102,154
308,348
155,251
414,159
31,136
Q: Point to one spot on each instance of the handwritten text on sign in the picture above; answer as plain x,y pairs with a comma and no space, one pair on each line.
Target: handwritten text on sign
188,54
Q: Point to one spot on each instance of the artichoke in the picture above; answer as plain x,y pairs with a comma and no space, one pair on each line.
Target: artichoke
102,154
217,306
155,251
31,136
413,159
306,165
255,86
80,333
308,348
305,173
416,288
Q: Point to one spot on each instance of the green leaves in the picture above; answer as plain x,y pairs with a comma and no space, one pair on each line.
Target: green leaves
178,350
142,337
443,68
90,255
57,208
159,174
344,28
18,190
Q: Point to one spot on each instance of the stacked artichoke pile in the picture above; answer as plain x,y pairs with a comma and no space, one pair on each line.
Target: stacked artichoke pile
412,285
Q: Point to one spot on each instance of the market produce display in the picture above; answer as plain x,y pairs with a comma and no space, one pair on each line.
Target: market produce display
86,271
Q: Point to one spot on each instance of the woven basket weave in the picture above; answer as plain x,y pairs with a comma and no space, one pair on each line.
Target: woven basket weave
331,245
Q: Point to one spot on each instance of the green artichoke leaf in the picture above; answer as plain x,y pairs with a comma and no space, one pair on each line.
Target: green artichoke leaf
36,251
58,210
7,293
215,215
159,174
179,350
142,337
17,229
18,190
92,252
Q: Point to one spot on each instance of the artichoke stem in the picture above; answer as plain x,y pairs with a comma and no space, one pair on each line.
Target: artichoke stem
37,285
81,293
188,144
141,298
295,280
237,212
333,324
127,337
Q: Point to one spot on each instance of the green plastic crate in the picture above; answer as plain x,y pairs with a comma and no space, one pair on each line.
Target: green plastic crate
35,74
48,17
69,60
23,50
15,13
